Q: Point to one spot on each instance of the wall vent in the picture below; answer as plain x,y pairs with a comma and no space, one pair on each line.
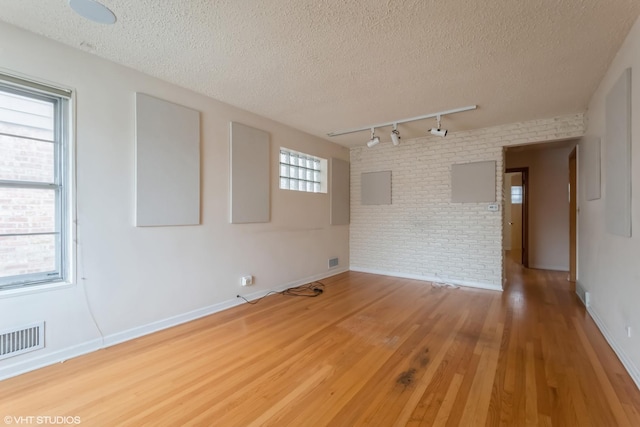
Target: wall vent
333,262
23,340
583,295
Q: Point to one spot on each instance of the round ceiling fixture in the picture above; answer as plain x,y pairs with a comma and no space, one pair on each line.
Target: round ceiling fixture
93,11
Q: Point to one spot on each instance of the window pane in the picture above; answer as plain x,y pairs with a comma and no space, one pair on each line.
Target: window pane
27,210
302,171
284,157
27,254
516,195
20,115
26,160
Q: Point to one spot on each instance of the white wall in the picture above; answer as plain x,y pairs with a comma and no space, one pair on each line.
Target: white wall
608,265
139,279
548,204
422,234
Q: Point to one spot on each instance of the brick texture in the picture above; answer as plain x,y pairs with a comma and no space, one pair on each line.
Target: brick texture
422,234
25,210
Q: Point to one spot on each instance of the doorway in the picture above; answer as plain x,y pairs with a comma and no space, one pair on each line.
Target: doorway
516,224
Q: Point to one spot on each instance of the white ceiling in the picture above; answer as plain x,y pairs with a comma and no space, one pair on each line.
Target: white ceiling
327,65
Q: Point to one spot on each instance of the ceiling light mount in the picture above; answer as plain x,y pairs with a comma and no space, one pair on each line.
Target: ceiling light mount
395,134
94,11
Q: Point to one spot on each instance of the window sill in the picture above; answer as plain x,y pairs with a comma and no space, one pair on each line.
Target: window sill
34,289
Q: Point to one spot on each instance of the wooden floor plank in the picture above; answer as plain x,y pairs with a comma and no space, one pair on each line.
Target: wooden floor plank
370,350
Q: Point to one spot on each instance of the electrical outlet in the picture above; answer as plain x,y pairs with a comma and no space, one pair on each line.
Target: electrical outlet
247,280
628,331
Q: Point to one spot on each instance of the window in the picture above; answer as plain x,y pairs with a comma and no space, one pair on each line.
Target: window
516,194
302,172
33,183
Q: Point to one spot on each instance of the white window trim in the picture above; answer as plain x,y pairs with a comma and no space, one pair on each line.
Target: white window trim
68,159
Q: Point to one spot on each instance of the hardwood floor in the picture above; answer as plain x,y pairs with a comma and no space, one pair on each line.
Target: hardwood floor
371,350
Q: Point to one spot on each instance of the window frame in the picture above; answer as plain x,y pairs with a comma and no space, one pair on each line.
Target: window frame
63,181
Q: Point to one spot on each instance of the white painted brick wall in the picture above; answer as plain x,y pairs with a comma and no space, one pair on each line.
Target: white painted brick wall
422,234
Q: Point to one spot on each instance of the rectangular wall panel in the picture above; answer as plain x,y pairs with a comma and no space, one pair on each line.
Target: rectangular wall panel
473,182
591,165
250,181
339,192
167,163
618,157
376,188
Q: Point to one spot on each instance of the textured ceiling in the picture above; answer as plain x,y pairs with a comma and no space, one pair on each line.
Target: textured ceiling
327,65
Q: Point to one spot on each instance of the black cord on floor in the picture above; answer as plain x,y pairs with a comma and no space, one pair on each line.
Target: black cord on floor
311,290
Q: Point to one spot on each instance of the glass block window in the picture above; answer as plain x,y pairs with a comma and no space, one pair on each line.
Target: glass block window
302,172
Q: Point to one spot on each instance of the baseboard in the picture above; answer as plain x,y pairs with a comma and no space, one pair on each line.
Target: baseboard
137,332
33,363
480,285
150,328
627,362
550,267
38,362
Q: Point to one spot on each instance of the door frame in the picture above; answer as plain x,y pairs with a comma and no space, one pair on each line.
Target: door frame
573,215
525,212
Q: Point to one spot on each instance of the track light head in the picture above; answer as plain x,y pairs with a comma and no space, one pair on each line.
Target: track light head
375,140
395,135
438,131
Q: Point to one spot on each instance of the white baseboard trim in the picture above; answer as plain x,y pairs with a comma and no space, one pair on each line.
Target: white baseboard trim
488,286
550,267
137,332
37,362
627,362
52,358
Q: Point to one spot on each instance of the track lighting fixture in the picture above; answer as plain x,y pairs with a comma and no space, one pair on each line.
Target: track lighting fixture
395,135
438,131
375,140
